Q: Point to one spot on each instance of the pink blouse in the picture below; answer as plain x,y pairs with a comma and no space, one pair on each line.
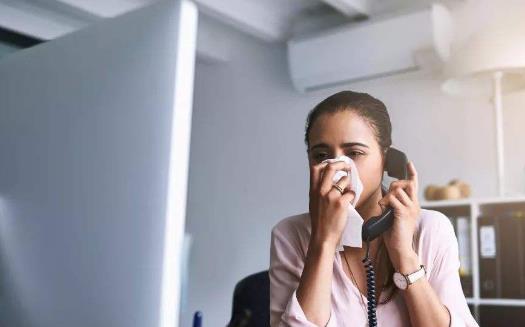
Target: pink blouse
434,242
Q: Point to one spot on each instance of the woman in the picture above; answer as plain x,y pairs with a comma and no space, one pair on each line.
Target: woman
312,284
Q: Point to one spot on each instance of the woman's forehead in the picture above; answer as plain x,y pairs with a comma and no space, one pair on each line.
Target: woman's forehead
341,127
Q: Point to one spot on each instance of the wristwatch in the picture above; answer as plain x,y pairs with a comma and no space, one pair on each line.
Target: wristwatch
402,281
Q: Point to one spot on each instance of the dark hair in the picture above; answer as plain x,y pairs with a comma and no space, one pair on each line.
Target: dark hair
365,105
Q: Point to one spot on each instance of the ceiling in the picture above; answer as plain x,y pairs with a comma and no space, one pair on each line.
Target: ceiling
269,20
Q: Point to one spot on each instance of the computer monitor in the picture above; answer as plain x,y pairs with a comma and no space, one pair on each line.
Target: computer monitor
94,149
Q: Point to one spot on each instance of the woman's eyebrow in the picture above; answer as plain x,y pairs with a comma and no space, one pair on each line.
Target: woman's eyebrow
349,144
344,145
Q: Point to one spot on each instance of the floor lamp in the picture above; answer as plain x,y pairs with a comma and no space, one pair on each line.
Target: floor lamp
490,63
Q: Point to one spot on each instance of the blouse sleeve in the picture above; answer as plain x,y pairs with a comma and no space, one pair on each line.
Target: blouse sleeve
286,265
444,278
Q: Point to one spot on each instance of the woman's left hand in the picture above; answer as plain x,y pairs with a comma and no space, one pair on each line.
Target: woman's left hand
402,197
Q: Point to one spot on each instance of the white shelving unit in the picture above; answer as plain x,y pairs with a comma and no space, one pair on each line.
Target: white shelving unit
473,208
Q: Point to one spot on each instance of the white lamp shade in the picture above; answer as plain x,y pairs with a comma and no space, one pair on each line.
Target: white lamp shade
497,47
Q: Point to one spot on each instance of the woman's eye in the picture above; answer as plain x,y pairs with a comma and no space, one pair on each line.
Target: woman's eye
355,153
322,156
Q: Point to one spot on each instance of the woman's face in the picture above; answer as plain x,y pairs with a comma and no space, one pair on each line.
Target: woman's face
346,133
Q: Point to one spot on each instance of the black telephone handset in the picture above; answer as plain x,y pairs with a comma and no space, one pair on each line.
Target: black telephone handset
396,166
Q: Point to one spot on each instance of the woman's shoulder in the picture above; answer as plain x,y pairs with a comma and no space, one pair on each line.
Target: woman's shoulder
435,223
294,224
436,243
434,233
294,230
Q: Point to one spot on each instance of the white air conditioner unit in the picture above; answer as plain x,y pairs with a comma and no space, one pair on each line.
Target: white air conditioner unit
368,50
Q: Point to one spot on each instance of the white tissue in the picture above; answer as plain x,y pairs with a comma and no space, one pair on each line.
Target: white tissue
352,233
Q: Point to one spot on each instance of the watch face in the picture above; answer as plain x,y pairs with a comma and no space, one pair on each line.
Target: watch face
400,281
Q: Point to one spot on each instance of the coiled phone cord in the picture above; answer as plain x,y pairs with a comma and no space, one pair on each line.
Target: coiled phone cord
371,287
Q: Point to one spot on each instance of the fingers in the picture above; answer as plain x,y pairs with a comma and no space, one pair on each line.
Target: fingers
391,200
408,185
412,173
343,182
344,198
402,196
315,176
328,175
348,197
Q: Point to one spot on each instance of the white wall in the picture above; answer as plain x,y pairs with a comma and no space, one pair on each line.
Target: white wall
248,166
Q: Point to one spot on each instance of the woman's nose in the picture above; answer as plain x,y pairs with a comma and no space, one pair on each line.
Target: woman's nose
338,153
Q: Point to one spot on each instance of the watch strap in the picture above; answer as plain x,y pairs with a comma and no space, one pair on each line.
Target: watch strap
413,277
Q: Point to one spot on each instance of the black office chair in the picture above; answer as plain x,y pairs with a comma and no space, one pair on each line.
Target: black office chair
251,301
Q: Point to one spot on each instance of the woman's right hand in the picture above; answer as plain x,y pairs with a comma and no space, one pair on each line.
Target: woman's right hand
328,207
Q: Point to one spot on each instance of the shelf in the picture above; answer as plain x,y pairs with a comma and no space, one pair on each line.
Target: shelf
496,200
472,201
473,208
447,203
503,302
